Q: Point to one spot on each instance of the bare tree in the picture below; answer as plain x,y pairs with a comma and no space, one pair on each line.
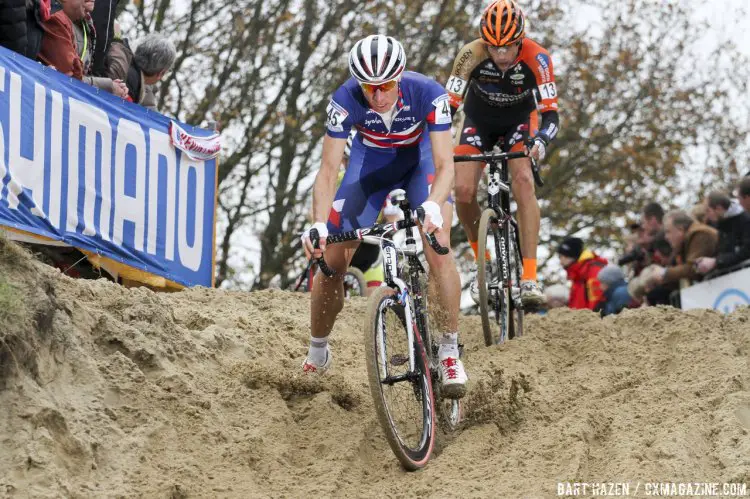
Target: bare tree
634,110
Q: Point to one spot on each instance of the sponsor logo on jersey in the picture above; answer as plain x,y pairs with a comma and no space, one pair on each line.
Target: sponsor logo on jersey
464,58
544,63
517,78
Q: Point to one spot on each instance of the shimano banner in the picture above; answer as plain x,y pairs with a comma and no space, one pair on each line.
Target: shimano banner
84,167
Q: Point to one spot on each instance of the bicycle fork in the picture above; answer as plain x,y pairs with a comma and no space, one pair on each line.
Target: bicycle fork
390,264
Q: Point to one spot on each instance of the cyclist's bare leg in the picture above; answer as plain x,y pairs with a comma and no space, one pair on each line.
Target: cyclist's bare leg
445,284
444,281
528,207
328,292
466,183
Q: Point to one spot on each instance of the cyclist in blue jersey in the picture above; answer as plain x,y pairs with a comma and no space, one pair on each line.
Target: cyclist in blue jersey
403,121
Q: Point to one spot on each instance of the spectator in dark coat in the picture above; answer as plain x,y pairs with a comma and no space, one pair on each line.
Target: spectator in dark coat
103,19
615,290
743,193
734,233
37,13
13,25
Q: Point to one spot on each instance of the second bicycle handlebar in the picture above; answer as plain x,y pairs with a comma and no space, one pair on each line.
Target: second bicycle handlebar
378,229
501,156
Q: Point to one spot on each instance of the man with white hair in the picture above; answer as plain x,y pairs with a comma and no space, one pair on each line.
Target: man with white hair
153,58
690,240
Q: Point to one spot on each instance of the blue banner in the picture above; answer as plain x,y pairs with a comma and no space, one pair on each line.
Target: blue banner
82,166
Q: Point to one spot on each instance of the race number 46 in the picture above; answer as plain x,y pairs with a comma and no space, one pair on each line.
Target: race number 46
442,110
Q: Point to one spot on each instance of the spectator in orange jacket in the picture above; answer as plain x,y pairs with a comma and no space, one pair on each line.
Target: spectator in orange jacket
582,266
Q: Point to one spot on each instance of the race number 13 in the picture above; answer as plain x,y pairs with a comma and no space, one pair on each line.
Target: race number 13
548,90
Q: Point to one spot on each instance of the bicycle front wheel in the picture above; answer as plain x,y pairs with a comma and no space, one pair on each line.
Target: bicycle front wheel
403,397
516,312
493,276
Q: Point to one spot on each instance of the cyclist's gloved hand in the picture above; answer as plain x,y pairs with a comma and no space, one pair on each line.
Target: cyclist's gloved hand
433,218
537,148
307,243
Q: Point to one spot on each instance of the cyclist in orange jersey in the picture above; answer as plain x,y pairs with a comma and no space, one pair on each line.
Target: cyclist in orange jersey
504,81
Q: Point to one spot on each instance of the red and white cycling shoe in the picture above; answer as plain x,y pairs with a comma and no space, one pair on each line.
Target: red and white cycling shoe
453,377
309,367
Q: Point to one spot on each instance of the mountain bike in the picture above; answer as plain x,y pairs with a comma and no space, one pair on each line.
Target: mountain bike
401,354
499,262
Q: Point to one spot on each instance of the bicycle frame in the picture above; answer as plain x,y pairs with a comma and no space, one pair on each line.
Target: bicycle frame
498,189
409,294
411,300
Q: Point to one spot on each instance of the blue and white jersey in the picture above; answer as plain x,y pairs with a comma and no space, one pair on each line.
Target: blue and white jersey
422,104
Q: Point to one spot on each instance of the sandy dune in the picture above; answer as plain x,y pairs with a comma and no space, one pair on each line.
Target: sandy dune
128,393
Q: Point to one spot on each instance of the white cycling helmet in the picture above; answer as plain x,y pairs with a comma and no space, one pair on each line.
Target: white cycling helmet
377,59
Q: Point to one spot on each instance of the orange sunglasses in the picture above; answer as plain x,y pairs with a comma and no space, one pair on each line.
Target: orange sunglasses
383,87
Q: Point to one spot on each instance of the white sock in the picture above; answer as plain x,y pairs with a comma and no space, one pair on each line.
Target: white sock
318,350
448,345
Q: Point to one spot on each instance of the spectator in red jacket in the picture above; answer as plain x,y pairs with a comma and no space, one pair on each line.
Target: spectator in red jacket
58,47
582,266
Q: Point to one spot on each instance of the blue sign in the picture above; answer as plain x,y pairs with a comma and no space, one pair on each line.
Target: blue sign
82,166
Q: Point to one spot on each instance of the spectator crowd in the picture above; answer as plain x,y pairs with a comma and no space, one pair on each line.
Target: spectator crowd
665,252
80,38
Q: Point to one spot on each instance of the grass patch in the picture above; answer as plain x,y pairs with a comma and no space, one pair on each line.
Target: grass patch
12,306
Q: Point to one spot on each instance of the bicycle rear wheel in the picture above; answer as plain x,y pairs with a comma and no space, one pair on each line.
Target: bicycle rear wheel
493,282
403,399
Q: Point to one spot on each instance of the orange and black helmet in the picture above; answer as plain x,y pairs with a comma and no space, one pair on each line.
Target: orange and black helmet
502,23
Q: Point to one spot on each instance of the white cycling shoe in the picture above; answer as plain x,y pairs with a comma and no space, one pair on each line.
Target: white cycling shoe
532,295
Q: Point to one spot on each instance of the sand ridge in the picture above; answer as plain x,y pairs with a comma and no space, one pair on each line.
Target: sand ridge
198,394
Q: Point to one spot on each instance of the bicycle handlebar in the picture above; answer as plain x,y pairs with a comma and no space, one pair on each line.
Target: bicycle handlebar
378,229
489,157
501,156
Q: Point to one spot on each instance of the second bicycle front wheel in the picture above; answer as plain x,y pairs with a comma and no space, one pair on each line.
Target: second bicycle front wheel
355,283
492,264
403,397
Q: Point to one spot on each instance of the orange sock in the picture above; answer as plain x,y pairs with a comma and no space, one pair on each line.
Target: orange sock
475,249
529,269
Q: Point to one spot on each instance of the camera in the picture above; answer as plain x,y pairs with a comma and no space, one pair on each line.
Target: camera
638,254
